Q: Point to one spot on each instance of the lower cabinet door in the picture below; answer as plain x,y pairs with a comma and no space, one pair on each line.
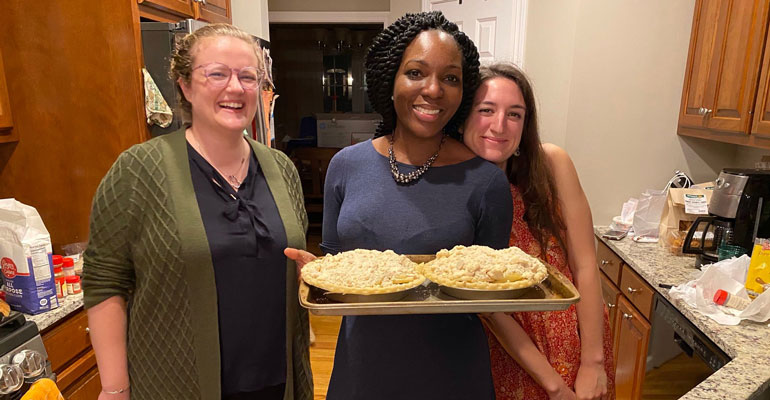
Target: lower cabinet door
610,293
87,388
632,335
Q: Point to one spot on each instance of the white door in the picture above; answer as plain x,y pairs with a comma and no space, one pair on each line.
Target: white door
497,27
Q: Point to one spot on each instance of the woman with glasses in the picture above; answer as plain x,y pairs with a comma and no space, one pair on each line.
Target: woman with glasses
189,294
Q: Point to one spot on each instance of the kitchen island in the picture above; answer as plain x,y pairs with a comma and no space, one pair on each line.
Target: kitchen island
747,376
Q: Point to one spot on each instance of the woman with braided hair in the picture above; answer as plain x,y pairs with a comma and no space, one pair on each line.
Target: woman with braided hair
414,189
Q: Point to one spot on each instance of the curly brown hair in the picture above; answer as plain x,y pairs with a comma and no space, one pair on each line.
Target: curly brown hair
529,170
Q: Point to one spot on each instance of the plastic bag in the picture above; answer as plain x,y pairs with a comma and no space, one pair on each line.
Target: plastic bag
648,213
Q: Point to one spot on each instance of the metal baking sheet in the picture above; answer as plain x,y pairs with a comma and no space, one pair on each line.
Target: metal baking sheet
556,292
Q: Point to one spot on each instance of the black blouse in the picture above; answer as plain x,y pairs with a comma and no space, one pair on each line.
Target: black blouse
246,237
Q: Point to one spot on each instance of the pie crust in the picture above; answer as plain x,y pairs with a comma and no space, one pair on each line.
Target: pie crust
363,272
481,267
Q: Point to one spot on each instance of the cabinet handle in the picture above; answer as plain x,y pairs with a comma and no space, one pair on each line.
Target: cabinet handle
610,305
627,316
204,3
605,262
88,330
631,290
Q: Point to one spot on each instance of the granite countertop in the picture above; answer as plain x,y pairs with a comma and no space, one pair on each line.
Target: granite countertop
748,374
67,306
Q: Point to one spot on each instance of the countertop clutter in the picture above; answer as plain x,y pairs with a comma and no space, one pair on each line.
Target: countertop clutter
748,374
67,306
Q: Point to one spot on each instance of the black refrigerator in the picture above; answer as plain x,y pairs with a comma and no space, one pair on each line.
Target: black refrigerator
158,41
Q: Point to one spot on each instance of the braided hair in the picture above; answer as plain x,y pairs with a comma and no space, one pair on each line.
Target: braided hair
384,58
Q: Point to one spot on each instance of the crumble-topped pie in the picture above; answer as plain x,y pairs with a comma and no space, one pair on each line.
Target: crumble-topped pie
481,267
363,272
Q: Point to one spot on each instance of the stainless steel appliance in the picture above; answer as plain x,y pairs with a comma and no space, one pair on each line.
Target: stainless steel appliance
23,358
739,213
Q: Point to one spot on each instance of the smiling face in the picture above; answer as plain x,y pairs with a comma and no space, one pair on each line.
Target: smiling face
494,126
428,87
228,108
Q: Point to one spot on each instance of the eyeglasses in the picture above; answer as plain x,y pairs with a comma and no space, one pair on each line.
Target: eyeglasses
218,75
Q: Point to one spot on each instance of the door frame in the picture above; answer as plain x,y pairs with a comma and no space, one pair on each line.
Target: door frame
329,17
518,31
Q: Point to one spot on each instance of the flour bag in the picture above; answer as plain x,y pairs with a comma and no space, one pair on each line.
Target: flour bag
25,258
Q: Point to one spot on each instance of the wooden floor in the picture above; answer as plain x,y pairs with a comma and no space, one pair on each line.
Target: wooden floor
669,381
674,378
322,351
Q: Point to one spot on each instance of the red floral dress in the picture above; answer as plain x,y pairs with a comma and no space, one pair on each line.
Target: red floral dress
555,333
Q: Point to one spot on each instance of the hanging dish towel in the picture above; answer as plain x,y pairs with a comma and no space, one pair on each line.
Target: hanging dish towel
155,106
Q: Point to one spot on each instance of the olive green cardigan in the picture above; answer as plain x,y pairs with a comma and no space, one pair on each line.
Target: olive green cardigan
148,245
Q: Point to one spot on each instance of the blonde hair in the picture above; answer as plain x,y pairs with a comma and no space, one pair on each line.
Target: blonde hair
184,53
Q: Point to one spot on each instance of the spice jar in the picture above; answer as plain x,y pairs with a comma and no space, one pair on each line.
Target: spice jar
69,267
57,261
723,298
73,284
61,287
58,272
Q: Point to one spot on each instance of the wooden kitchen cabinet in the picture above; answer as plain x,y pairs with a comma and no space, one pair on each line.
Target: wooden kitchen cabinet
214,11
182,8
723,69
760,128
174,10
6,121
72,358
632,335
629,300
610,293
608,262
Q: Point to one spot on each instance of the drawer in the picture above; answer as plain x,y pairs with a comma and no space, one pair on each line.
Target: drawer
637,290
608,262
67,340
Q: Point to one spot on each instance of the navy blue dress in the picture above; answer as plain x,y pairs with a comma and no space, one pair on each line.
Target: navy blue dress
442,356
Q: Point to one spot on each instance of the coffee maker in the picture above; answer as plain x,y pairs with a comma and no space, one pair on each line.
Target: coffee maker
739,213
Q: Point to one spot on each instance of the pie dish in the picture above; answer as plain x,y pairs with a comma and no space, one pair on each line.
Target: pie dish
363,272
483,268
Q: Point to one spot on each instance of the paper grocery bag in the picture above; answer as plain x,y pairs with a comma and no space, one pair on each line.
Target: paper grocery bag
675,217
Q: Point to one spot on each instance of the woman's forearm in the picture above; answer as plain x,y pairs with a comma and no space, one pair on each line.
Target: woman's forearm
590,311
518,345
107,323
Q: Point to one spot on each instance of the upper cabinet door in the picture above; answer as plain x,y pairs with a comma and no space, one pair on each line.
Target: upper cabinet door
723,64
704,27
214,11
760,128
6,121
181,7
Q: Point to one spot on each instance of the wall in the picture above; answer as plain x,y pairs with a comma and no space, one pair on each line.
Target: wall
251,16
400,7
745,157
551,36
610,94
329,5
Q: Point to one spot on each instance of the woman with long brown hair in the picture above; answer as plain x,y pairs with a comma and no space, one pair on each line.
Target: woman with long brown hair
541,355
